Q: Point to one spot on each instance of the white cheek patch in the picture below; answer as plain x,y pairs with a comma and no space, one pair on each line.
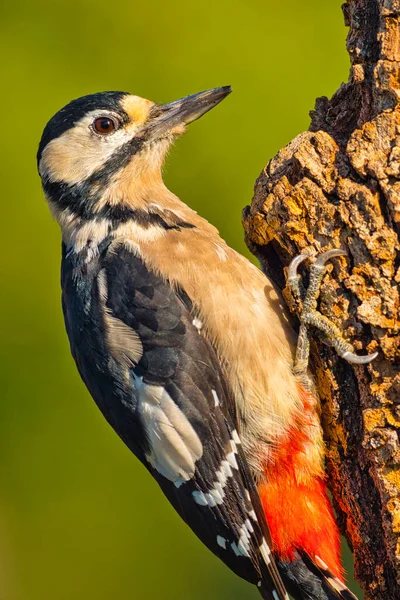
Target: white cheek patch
79,152
174,445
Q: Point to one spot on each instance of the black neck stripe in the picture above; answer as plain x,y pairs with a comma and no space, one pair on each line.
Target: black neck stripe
81,200
120,213
79,197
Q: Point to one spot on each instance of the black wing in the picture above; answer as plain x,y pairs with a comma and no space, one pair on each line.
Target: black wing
159,383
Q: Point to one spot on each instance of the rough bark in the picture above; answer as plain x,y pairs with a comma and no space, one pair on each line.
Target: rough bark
338,186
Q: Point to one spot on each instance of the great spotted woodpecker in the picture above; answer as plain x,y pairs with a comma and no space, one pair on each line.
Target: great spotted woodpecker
185,348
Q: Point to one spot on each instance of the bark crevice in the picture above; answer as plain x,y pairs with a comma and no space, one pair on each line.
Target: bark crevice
338,186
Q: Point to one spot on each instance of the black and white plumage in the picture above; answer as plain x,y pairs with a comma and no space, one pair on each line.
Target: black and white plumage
185,347
139,348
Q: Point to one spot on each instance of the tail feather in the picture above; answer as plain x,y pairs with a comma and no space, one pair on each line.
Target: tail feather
334,582
308,580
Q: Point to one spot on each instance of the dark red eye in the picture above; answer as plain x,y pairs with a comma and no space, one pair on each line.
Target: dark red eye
104,125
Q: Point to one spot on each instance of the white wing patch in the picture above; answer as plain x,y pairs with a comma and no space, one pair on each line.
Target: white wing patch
253,515
216,399
221,541
197,323
236,437
231,456
236,550
174,445
265,552
244,542
217,493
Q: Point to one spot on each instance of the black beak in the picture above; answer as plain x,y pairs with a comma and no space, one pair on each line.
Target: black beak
165,117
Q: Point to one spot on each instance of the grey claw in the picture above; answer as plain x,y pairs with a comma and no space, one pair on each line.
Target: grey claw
354,359
294,265
311,317
325,256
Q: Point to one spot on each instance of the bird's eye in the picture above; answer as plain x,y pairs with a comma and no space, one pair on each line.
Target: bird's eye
104,125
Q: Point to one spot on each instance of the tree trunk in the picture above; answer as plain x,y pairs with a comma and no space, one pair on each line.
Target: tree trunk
338,186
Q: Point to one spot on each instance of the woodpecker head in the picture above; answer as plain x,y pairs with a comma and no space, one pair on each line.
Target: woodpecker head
107,149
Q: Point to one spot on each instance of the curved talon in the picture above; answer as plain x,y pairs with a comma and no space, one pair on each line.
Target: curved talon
311,317
294,265
325,256
354,359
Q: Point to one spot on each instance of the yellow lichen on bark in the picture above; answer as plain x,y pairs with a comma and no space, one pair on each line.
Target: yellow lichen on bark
338,186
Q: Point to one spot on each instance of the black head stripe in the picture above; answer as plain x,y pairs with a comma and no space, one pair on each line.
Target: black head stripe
79,197
75,110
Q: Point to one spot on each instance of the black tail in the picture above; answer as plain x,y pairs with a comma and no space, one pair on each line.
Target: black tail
306,579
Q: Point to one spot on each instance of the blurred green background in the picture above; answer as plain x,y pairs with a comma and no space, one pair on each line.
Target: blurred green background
79,518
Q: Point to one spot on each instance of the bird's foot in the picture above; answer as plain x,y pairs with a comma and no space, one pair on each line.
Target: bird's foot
311,317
